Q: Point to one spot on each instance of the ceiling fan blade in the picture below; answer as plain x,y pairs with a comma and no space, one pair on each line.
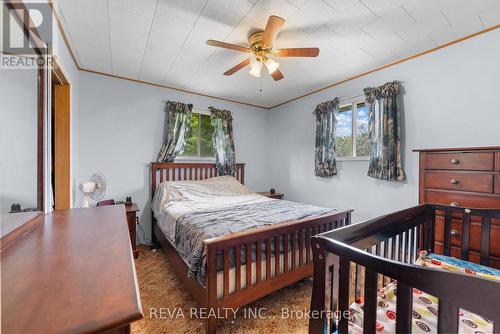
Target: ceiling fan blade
225,45
277,75
273,27
296,52
238,67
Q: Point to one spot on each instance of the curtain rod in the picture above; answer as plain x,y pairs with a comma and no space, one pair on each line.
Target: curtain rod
359,95
351,97
197,108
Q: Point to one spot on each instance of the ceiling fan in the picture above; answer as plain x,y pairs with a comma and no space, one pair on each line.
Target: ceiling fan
261,49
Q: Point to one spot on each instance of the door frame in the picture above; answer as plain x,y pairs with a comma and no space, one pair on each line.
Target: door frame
61,107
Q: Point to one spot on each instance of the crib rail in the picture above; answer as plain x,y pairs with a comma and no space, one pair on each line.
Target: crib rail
367,255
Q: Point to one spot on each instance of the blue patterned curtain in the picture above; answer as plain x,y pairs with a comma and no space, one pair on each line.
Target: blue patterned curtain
326,123
222,140
178,118
384,118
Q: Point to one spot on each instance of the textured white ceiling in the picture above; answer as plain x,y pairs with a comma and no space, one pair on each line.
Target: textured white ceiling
163,41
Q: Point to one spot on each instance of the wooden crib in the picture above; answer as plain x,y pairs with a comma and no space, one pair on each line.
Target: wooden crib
368,255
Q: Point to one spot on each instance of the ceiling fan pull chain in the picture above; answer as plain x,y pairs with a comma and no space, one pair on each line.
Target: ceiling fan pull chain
260,84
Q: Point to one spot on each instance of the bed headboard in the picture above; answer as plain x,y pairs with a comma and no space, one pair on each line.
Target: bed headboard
173,171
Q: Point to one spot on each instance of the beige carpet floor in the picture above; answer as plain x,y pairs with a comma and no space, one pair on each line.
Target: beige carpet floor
162,291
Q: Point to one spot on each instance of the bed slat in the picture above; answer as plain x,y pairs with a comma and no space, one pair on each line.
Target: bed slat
386,254
344,271
285,244
301,247
268,259
400,247
393,248
485,241
447,317
357,282
432,231
277,250
408,246
226,272
465,236
447,233
370,307
292,238
249,265
403,308
258,263
308,245
238,268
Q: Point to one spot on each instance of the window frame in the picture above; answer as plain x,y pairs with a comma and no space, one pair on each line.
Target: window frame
353,103
187,158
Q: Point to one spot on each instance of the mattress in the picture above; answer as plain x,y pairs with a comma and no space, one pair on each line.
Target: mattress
176,198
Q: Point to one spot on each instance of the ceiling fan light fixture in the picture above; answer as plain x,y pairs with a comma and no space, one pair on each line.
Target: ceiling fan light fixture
256,67
271,65
255,71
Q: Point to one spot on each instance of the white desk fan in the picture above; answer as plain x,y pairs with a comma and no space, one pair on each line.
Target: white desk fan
94,188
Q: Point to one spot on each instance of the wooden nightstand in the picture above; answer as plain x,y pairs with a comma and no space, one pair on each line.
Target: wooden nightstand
131,211
268,194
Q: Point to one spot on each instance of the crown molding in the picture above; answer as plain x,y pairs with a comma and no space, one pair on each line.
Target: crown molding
173,88
389,65
61,30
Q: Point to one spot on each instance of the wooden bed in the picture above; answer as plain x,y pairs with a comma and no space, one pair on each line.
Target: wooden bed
298,234
372,252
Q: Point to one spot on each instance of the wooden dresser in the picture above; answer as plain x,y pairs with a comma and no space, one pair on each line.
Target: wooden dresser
465,177
71,273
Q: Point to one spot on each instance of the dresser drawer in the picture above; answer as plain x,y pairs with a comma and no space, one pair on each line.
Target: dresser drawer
463,199
461,161
497,161
497,183
463,181
475,234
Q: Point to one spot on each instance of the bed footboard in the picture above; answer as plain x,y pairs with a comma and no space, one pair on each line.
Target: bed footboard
357,260
279,255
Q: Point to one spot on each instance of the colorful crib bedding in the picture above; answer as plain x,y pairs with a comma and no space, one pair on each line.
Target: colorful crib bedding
425,306
424,315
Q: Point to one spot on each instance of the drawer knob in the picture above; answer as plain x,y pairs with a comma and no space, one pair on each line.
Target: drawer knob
454,161
454,181
454,204
454,233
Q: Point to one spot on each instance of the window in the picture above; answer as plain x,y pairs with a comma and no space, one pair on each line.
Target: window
352,139
199,140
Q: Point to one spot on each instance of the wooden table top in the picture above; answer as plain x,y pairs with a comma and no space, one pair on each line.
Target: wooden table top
72,273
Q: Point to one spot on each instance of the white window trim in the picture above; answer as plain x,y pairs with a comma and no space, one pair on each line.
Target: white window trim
353,102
